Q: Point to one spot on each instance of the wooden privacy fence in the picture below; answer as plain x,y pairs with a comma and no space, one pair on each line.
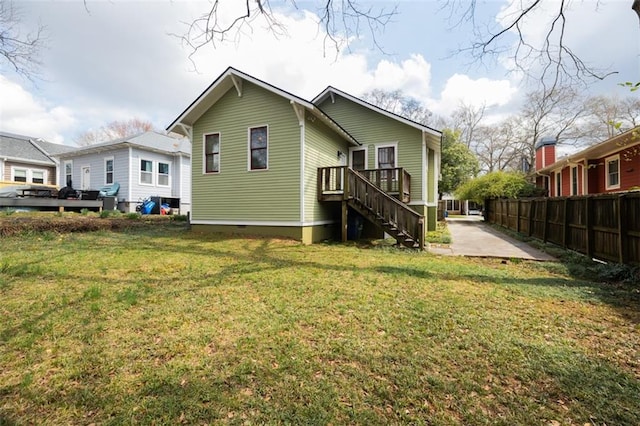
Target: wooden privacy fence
605,227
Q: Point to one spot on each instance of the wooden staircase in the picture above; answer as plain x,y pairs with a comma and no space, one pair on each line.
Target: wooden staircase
385,211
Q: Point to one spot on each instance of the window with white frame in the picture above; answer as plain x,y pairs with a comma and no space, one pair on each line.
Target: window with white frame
559,184
37,176
146,172
258,148
163,174
19,175
108,170
613,172
68,173
212,153
574,180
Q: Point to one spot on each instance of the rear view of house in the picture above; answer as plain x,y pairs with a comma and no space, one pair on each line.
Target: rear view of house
145,165
267,162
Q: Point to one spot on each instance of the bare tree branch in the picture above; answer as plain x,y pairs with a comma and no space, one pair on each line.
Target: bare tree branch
560,64
20,51
340,20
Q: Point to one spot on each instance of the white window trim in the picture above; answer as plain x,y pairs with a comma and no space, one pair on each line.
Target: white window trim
558,184
204,153
29,174
352,149
64,172
158,174
140,172
113,172
574,181
387,145
249,169
606,172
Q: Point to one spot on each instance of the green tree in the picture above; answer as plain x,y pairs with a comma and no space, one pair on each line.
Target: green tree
457,164
496,185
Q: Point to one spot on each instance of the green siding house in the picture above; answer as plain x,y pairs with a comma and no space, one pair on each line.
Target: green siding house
266,162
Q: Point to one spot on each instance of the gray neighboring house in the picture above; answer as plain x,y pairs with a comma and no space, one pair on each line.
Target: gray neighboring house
29,160
145,165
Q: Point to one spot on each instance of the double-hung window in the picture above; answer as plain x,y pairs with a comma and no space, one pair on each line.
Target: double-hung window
108,171
37,176
163,174
19,175
146,172
258,148
68,173
613,172
212,153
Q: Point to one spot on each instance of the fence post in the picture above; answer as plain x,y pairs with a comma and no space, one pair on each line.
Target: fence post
532,210
622,228
518,217
546,220
565,223
587,222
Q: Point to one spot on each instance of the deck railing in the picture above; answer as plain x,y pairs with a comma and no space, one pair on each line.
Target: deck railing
366,195
396,182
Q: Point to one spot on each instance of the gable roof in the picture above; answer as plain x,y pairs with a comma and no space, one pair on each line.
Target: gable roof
150,141
330,91
231,78
30,150
602,149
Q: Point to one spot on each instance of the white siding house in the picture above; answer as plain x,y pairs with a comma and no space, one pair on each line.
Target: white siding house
145,165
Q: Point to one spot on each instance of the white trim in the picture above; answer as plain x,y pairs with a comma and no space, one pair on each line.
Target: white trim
364,148
29,174
302,161
141,159
204,153
424,152
249,169
387,145
85,184
113,169
168,185
606,172
260,223
573,181
330,91
64,172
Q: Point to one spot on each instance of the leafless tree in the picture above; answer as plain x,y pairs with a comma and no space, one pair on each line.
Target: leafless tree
114,130
499,147
400,104
340,21
19,49
560,64
467,118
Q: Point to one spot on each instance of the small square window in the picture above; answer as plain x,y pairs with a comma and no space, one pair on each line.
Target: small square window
37,176
19,175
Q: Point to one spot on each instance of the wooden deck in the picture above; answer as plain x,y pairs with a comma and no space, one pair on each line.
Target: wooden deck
379,196
50,204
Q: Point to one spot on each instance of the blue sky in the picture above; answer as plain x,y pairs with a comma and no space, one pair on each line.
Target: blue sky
118,60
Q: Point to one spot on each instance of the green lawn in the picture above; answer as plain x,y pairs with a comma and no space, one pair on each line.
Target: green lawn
162,326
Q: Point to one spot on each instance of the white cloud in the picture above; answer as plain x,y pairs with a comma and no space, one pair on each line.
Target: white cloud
483,91
26,115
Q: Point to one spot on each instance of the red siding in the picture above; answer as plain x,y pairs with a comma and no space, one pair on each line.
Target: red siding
566,181
629,173
539,159
549,152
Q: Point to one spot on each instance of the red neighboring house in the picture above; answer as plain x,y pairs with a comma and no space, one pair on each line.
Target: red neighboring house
609,166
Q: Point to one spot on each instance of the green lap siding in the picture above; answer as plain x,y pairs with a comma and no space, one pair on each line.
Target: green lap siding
371,128
235,193
321,149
